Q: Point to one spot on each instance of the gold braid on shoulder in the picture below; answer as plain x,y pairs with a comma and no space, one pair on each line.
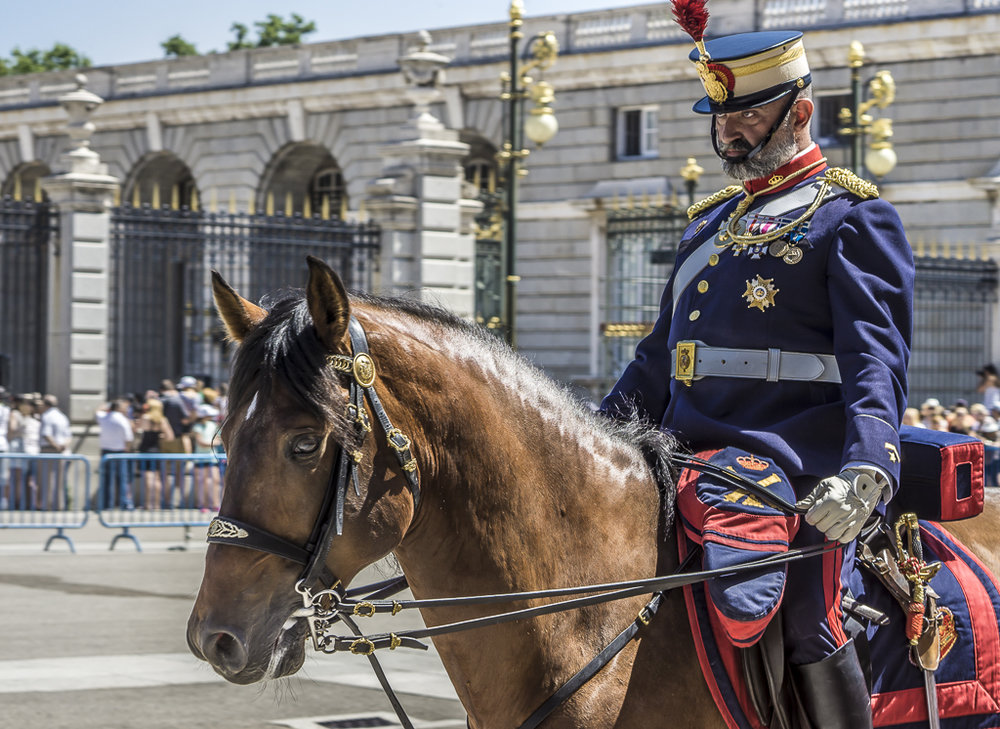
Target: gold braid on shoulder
851,182
715,198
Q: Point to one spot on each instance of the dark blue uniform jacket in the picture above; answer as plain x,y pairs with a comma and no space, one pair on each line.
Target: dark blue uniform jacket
850,295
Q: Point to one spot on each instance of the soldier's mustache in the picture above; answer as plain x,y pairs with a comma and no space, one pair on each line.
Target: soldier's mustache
739,145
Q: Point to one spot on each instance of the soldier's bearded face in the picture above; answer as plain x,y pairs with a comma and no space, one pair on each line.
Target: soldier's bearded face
740,132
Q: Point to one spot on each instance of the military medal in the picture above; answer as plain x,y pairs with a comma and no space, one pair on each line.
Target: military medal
792,255
760,293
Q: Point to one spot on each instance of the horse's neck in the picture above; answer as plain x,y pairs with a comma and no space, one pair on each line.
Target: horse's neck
520,497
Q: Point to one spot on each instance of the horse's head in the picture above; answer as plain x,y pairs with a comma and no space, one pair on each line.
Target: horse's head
294,409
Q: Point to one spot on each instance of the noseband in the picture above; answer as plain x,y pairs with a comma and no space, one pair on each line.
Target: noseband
330,519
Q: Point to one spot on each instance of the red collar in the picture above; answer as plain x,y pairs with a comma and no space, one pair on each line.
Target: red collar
810,157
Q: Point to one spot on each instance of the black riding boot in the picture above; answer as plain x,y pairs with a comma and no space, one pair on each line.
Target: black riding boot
833,692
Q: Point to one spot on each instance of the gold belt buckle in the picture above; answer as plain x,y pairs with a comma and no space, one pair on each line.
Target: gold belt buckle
684,364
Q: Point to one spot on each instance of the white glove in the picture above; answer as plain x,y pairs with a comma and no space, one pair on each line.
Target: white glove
840,505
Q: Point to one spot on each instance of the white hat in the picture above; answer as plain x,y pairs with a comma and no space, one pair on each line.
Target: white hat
207,411
187,381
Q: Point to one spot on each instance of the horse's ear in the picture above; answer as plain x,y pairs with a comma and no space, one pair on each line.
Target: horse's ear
238,314
328,304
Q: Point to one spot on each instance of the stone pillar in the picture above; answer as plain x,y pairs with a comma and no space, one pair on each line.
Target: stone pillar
989,184
428,246
79,268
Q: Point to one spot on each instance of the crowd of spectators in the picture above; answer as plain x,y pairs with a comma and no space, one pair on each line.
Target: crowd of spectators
178,419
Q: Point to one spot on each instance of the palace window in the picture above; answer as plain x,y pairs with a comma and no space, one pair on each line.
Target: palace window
636,132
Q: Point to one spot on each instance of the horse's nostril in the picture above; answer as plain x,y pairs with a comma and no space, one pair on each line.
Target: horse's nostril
226,652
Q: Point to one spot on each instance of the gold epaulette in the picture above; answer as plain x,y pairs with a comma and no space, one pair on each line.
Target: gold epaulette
712,200
851,182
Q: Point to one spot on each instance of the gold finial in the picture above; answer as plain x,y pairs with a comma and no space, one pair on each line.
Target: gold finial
269,204
307,207
516,11
136,198
288,205
213,200
194,200
232,201
324,210
856,54
175,198
17,187
252,204
692,171
156,197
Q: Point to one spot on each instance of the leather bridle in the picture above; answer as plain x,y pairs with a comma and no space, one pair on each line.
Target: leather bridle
330,518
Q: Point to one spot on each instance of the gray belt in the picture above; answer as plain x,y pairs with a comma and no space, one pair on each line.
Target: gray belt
693,360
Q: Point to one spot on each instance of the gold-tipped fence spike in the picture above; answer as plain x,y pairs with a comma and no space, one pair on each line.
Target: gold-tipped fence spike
288,204
194,200
252,204
630,201
644,200
117,199
269,204
18,192
156,197
38,189
136,197
324,208
343,208
616,203
213,200
232,202
175,198
307,207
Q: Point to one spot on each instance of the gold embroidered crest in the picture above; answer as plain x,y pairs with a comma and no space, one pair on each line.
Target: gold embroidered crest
760,293
851,182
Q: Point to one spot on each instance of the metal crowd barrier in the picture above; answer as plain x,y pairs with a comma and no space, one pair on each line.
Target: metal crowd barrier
44,491
158,489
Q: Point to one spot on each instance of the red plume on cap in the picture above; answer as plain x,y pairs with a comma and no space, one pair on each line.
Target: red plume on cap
692,16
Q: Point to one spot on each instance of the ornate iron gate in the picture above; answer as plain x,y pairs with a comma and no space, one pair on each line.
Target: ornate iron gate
162,319
642,246
954,324
27,229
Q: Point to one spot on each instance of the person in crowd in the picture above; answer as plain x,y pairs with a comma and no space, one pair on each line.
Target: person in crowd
24,437
5,499
989,386
56,438
207,483
115,437
154,430
930,410
911,416
784,334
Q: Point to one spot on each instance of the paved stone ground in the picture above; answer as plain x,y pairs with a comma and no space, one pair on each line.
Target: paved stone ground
95,640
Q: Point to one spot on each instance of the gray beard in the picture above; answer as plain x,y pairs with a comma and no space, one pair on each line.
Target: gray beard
777,152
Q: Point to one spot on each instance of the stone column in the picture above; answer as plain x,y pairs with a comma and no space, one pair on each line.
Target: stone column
428,246
989,184
78,269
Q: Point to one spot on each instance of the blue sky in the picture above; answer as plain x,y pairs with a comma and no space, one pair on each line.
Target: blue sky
111,32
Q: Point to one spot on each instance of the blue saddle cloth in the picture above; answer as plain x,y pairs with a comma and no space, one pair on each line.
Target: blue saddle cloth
968,677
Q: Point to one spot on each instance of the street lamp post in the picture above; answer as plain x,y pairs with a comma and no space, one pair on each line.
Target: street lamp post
690,173
539,127
881,157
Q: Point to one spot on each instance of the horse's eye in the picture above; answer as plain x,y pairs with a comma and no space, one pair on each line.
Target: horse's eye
306,445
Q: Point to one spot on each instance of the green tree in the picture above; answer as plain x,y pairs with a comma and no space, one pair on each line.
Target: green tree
276,31
273,31
241,32
175,47
60,56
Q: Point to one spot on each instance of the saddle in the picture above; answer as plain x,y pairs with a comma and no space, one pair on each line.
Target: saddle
918,602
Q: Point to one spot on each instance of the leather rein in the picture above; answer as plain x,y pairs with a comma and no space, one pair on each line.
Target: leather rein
325,607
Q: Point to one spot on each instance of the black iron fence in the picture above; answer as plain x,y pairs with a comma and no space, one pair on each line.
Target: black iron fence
162,319
954,324
28,234
641,248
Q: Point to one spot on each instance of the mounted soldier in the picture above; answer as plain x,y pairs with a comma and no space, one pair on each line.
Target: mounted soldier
781,351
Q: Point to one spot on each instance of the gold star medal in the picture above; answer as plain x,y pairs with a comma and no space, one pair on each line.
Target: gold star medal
760,293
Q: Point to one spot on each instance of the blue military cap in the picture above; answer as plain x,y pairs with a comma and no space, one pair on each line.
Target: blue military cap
747,70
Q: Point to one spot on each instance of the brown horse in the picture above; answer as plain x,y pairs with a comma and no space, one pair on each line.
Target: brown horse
521,489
